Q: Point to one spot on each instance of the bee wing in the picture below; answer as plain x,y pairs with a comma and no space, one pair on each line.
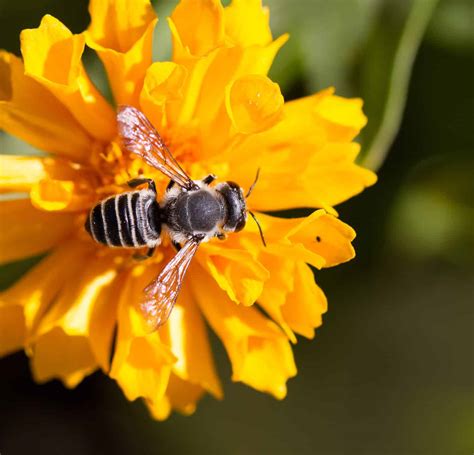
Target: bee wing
140,137
161,294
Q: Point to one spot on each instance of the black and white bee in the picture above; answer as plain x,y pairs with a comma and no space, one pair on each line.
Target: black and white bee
190,212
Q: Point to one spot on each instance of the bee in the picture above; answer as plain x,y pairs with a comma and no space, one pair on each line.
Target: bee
190,212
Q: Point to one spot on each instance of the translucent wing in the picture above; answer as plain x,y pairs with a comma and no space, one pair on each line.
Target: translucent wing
161,294
141,138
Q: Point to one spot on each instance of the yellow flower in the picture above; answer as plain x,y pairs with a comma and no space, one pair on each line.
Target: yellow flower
219,113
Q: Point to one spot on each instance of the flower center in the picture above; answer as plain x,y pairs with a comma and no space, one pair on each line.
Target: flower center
115,166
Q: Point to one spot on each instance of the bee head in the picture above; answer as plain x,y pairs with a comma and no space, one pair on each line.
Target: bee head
236,207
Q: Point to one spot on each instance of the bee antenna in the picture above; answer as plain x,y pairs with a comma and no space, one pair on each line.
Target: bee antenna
249,192
259,227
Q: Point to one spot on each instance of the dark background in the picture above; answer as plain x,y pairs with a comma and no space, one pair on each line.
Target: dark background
391,369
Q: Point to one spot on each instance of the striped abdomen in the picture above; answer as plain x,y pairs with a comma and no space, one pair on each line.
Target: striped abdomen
129,220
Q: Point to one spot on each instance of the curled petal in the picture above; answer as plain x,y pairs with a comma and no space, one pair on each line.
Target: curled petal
163,86
254,103
197,27
203,93
45,123
52,56
121,32
62,195
247,23
118,25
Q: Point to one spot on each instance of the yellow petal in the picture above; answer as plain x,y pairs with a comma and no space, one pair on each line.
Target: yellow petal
277,288
142,362
186,335
29,111
203,100
236,271
325,178
54,184
12,328
300,145
52,55
20,173
34,292
326,236
305,304
121,32
332,177
119,24
198,25
163,85
180,395
62,195
319,239
75,336
58,355
247,23
254,103
344,117
260,354
26,231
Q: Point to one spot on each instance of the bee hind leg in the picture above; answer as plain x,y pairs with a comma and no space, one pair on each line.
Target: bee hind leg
147,255
140,181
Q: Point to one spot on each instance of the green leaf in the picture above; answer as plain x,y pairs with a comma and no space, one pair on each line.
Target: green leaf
389,59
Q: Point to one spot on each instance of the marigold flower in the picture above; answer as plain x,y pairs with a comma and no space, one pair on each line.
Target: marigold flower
219,113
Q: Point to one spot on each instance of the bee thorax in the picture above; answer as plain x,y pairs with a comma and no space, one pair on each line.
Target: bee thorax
197,212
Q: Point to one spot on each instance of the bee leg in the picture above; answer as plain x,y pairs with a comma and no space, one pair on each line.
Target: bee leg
176,245
147,255
140,181
170,185
221,236
209,179
140,257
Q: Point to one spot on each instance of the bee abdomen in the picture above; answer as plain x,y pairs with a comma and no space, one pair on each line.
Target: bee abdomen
126,220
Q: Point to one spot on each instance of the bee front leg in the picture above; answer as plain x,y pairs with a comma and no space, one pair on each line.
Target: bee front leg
209,179
140,181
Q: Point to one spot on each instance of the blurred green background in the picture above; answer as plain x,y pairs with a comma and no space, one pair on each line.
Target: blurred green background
391,370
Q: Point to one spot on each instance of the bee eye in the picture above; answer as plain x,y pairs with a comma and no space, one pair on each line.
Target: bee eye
236,208
240,224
